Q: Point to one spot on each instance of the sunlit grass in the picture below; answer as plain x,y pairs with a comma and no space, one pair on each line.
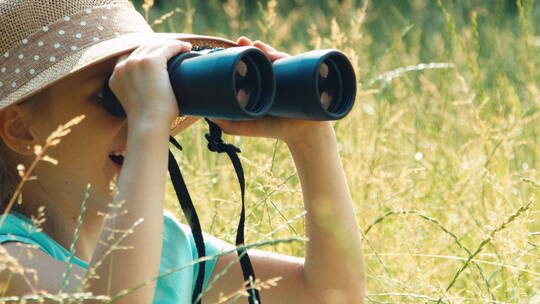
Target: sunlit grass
444,136
440,151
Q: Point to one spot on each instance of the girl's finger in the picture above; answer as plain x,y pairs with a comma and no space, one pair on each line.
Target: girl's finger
142,48
276,55
149,48
171,48
122,58
236,127
244,41
264,46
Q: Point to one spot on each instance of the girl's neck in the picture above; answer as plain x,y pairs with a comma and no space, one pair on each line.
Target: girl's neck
61,224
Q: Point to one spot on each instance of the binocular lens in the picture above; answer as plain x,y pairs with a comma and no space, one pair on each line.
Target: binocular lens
247,82
330,86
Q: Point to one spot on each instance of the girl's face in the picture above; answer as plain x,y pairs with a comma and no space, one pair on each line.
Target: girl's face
84,154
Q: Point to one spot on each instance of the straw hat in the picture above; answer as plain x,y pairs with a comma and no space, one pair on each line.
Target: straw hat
43,42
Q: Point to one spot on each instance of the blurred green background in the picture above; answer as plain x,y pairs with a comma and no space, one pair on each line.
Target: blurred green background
441,150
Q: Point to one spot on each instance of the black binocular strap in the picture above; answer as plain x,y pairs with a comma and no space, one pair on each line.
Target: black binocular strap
191,215
215,144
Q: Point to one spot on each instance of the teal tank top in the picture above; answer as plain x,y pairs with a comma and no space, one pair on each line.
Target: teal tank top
178,250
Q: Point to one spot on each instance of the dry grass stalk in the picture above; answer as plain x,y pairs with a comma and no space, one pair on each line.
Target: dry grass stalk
166,16
232,9
258,284
146,6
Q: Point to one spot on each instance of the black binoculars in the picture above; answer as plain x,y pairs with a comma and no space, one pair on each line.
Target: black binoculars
241,83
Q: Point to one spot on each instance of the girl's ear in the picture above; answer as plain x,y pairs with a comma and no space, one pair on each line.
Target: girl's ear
14,130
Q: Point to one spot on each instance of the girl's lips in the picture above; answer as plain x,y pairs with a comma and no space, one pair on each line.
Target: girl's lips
117,165
118,151
117,157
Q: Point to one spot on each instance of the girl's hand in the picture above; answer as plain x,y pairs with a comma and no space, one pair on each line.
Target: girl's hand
141,82
286,129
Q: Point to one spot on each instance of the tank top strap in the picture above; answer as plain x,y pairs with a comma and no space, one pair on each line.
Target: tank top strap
19,228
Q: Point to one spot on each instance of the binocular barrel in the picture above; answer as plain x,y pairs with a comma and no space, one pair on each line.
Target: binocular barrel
240,83
317,85
231,83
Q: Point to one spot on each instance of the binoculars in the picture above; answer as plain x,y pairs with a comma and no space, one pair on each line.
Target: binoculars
241,83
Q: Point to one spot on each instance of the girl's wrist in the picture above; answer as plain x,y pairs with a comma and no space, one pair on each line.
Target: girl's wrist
149,124
320,133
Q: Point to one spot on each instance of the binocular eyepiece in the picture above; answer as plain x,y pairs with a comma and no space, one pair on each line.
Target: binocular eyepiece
241,83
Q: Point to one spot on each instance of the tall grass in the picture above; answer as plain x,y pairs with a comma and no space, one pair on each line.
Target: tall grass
441,151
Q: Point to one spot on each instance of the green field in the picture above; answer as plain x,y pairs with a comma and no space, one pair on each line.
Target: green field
441,150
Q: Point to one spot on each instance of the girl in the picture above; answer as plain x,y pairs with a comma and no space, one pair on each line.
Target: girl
49,76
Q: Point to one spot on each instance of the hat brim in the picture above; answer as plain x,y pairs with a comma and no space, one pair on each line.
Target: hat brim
109,49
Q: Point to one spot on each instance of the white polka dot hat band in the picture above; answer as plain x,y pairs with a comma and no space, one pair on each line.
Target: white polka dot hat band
42,42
